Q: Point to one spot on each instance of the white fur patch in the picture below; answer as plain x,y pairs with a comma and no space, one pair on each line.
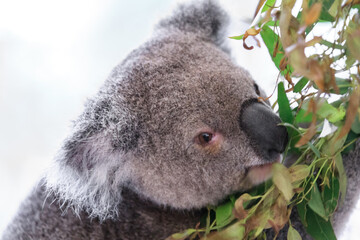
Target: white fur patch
97,190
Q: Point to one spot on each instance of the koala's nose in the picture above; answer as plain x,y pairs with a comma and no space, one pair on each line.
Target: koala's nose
261,125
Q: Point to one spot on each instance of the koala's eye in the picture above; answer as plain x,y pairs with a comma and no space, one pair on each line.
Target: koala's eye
257,90
204,138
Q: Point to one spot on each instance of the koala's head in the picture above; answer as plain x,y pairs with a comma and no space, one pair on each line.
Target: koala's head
177,122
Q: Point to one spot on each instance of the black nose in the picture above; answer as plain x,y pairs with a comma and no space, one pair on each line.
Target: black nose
261,125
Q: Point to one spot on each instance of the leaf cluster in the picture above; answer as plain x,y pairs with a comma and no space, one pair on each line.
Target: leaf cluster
313,71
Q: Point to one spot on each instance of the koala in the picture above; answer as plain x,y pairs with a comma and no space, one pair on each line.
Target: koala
177,126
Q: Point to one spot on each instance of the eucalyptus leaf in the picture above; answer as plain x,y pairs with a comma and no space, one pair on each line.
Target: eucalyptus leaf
270,38
282,180
268,5
303,117
316,203
351,137
182,235
314,149
302,210
331,195
318,228
342,176
343,85
300,84
224,214
240,37
355,127
293,234
235,231
284,105
331,113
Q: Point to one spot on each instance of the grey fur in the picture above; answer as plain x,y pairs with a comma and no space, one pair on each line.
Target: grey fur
131,168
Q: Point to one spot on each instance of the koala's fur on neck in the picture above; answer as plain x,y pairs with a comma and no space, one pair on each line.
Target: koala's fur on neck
131,168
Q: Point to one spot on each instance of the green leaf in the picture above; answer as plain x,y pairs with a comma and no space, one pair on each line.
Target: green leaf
353,39
331,196
317,227
331,113
314,149
333,145
182,235
272,23
300,84
335,7
299,172
282,180
284,105
343,85
303,117
350,138
331,44
350,59
293,234
224,214
302,209
268,5
342,176
355,127
237,37
270,38
235,231
357,6
316,203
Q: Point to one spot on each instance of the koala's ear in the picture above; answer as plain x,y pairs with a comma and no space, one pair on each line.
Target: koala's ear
93,164
205,18
105,128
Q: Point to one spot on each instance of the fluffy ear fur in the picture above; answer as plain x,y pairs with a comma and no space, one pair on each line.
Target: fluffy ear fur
94,164
203,18
90,168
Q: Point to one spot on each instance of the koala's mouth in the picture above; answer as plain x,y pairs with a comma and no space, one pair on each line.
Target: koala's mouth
262,172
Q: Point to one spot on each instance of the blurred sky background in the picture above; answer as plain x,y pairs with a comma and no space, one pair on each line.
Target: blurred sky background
55,54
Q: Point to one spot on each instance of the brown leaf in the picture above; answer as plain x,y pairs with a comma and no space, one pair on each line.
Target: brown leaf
251,32
353,43
284,23
313,41
298,190
297,58
239,211
283,63
258,7
351,2
258,222
276,49
331,74
316,74
279,214
310,132
288,78
351,112
313,14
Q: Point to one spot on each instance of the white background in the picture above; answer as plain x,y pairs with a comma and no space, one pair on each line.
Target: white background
55,54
